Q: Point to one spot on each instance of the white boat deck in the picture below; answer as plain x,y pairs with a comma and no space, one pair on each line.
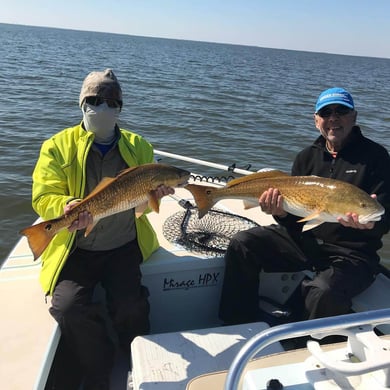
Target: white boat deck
26,325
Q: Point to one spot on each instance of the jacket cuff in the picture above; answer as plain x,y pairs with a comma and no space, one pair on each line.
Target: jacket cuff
70,200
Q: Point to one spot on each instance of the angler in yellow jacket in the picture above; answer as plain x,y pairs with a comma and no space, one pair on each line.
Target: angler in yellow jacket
70,165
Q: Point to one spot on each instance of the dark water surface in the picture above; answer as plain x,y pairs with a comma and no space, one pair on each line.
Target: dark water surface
224,103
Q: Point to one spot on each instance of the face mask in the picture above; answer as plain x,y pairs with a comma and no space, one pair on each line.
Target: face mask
101,120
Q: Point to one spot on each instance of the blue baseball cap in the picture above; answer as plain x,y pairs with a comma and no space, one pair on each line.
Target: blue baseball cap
334,96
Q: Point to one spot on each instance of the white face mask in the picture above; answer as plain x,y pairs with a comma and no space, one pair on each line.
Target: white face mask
101,120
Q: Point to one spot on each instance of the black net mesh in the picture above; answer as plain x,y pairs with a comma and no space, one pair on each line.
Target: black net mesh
209,235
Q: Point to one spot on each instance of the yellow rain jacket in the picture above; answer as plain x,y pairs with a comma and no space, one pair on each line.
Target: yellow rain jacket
60,176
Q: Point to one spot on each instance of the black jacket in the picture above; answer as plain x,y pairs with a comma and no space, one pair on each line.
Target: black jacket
363,163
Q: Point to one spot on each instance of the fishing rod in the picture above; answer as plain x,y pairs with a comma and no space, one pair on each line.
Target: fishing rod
229,168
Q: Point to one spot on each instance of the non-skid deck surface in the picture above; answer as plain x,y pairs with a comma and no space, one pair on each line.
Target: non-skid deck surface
26,325
168,361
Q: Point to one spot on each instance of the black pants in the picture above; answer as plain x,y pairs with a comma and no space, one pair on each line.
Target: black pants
82,321
271,249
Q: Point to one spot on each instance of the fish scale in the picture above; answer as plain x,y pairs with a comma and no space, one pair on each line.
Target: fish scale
117,200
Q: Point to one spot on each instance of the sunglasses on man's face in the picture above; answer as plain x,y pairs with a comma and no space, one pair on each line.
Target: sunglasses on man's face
97,101
340,110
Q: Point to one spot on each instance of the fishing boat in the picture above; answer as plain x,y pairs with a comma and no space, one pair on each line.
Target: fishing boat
188,347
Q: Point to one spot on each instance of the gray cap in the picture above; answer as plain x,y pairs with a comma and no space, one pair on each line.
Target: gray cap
103,84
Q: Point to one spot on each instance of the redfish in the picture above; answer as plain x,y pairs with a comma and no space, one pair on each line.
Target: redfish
132,188
313,198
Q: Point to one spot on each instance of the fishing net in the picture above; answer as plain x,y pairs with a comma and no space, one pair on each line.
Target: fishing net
209,235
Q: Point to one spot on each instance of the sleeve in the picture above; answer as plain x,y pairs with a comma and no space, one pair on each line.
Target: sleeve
50,191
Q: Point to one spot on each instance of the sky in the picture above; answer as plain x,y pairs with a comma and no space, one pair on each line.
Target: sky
352,27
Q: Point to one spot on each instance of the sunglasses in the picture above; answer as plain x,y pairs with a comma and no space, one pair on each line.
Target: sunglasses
97,101
340,110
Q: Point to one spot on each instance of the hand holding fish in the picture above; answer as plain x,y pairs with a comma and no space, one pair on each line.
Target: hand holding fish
353,220
84,218
271,202
163,190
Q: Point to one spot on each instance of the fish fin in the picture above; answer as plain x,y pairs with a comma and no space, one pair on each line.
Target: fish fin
153,202
126,171
203,197
249,204
89,228
257,175
312,224
106,181
39,236
311,216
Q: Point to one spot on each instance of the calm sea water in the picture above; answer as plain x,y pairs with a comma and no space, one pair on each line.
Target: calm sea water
224,103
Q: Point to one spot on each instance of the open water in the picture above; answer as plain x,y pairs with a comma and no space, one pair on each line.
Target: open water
224,103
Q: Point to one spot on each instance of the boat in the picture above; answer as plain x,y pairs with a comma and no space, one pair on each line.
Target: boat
189,348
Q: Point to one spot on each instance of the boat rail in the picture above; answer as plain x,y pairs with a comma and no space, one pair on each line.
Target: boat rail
318,328
229,168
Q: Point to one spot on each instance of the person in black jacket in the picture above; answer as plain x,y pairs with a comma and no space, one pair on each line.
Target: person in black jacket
343,255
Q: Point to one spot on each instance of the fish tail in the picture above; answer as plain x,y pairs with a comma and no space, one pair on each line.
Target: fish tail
39,237
203,198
